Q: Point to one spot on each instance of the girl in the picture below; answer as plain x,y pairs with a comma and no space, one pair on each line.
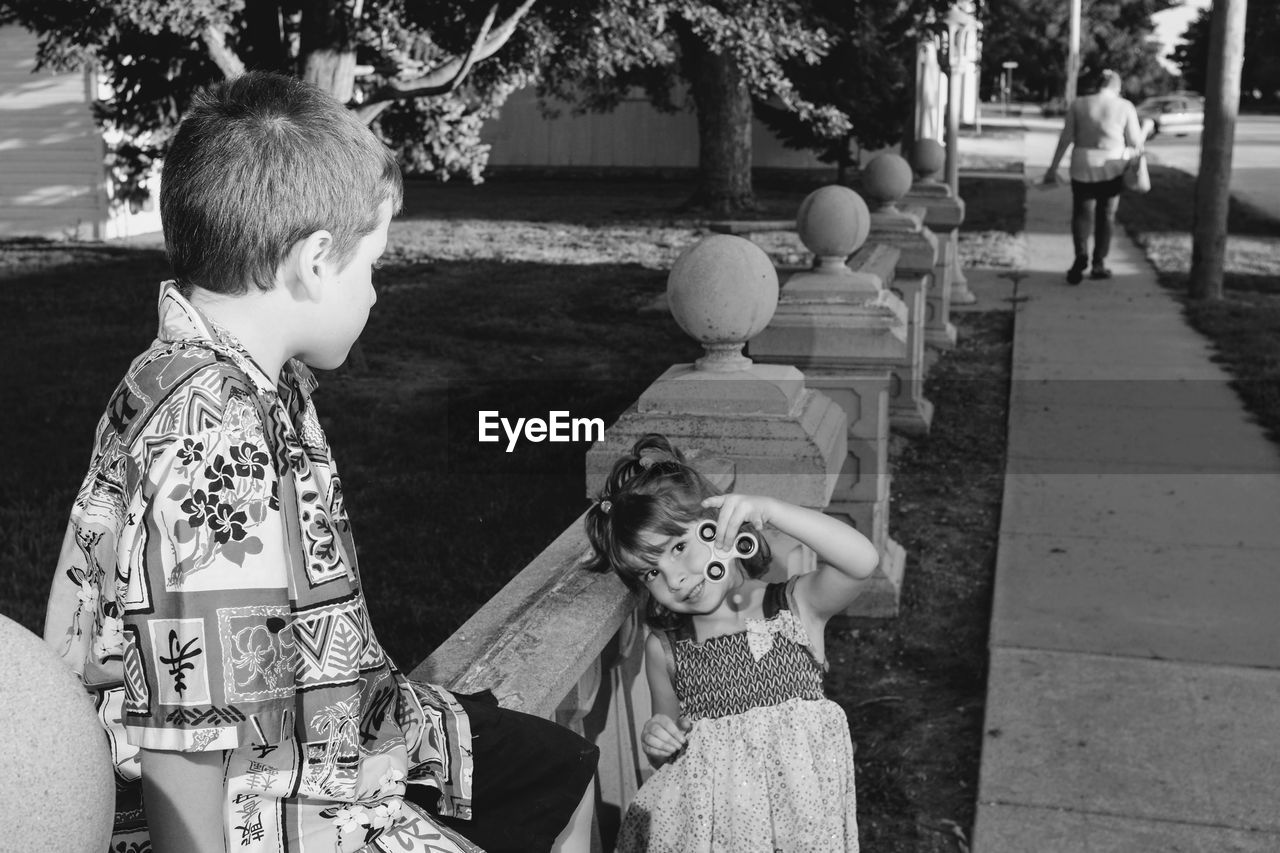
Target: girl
750,755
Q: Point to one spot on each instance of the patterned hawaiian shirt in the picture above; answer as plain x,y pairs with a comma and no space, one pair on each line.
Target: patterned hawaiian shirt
208,597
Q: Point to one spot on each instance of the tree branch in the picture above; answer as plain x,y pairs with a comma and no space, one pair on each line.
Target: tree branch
224,57
449,75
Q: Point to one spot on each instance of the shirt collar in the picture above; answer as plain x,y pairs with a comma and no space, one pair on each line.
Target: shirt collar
182,322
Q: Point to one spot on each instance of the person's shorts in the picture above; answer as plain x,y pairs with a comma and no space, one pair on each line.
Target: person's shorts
1097,190
529,776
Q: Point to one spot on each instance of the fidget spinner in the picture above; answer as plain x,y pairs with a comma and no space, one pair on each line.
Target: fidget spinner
745,545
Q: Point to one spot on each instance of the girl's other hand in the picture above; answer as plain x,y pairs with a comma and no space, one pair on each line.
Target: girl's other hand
663,737
735,510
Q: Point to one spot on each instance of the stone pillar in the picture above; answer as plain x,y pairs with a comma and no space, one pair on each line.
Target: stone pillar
943,215
930,118
962,55
846,331
886,180
782,437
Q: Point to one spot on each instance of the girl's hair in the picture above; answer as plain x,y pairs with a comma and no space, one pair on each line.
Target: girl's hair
652,489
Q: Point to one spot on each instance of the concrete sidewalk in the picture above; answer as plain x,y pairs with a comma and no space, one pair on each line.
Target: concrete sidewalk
1133,699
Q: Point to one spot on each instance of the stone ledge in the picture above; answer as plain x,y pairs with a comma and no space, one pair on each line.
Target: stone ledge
531,643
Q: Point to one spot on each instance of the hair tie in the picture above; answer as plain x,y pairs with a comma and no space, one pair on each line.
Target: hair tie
605,506
646,462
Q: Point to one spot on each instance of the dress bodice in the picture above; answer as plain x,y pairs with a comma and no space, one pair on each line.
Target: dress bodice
770,662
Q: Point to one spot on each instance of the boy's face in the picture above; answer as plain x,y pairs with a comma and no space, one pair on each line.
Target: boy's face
344,309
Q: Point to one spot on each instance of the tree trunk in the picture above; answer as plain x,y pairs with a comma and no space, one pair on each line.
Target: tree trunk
328,47
261,44
1213,184
723,104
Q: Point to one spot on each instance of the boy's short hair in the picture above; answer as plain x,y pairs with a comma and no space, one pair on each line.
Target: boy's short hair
258,163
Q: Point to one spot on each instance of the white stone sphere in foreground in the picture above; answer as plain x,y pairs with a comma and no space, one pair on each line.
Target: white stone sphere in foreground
833,221
723,291
59,788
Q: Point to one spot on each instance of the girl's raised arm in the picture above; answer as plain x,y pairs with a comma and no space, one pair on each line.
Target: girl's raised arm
846,557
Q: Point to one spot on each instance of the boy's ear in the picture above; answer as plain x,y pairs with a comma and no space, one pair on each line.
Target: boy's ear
308,263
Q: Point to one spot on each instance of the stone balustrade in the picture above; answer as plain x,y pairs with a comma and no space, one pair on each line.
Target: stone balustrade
784,438
944,213
567,644
848,332
887,179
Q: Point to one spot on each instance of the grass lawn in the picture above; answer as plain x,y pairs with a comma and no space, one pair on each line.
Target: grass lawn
1244,326
523,296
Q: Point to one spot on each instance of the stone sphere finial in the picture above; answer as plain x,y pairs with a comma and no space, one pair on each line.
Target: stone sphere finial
928,157
833,223
60,786
723,291
886,179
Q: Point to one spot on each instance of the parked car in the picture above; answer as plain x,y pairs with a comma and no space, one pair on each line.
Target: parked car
1054,107
1179,114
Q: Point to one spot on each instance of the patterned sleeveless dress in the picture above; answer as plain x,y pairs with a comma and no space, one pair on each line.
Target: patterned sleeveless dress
768,766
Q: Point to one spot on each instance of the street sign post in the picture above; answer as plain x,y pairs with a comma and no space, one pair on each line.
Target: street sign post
1008,67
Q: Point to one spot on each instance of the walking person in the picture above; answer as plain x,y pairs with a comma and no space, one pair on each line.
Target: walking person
1104,133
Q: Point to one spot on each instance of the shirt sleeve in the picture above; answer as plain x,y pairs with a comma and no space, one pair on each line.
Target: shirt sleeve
209,653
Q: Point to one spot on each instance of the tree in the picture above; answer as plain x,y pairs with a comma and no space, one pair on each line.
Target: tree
868,74
718,55
1213,190
410,69
1115,34
1260,75
427,75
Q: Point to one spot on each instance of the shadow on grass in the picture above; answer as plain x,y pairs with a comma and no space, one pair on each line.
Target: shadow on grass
1170,206
592,200
1244,326
442,521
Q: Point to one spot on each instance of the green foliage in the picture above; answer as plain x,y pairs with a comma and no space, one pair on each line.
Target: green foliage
1114,34
151,59
439,137
1260,73
868,75
606,48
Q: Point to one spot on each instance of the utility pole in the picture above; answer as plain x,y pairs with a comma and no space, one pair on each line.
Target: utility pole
1213,185
1073,53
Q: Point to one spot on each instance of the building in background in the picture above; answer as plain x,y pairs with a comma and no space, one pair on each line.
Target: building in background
53,181
633,137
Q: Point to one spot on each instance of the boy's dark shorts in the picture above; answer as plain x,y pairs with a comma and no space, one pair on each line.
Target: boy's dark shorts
529,777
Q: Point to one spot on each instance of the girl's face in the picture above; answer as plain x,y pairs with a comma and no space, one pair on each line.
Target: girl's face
676,579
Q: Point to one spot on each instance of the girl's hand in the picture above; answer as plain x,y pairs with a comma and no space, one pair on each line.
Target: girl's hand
846,558
735,510
663,737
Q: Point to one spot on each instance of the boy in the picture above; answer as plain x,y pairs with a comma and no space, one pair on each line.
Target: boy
207,592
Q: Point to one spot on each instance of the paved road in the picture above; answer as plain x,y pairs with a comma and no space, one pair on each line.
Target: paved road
1255,161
